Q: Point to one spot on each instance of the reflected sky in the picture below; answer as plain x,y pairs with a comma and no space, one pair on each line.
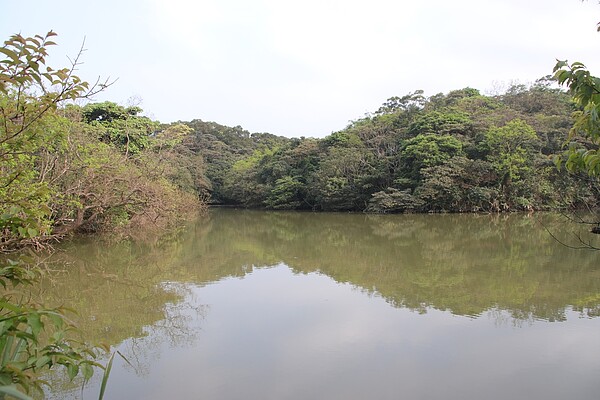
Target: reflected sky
278,334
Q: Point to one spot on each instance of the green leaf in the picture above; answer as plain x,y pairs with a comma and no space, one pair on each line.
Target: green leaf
72,371
35,41
57,320
10,54
12,391
87,371
35,322
42,361
58,336
105,376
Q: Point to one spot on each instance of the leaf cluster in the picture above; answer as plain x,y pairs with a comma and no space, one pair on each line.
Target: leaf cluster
585,90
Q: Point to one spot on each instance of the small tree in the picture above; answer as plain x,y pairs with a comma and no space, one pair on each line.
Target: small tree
30,92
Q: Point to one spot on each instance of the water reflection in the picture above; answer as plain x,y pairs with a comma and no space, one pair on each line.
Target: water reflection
466,264
275,334
463,263
278,293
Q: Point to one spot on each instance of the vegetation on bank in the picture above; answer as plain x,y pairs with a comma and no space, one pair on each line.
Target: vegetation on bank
99,167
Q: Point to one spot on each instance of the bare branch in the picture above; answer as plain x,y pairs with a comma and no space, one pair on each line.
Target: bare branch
583,245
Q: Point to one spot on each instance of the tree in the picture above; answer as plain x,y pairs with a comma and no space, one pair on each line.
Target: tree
459,184
286,194
407,103
30,92
243,183
393,200
120,126
441,123
440,101
344,180
511,149
427,150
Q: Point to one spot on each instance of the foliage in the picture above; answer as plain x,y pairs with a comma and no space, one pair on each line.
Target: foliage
100,189
410,102
220,147
30,92
286,194
440,123
33,338
511,149
67,168
585,90
120,126
455,152
427,150
343,181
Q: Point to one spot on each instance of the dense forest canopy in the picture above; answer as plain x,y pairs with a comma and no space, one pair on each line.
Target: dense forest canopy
455,152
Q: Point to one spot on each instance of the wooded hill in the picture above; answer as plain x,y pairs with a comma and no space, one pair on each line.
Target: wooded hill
455,152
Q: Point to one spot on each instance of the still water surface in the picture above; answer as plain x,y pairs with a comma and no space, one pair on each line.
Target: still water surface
267,305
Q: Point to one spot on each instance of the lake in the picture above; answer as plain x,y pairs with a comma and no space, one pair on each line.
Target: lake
284,305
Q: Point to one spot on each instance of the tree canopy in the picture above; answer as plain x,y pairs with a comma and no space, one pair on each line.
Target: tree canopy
455,152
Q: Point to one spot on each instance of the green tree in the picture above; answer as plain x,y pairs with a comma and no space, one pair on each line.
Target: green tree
407,103
427,150
442,101
441,123
511,149
344,180
30,92
393,200
286,194
243,183
459,184
58,175
120,126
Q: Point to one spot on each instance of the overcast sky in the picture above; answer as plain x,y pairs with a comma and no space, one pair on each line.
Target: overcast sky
305,68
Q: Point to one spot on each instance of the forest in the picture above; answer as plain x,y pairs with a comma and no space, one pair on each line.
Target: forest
455,152
72,165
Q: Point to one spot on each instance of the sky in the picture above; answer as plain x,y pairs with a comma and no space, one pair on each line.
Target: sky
304,68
